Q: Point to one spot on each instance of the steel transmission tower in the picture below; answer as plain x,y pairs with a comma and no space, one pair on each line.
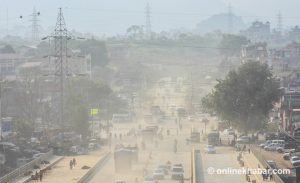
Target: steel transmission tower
60,48
230,19
34,25
148,21
60,37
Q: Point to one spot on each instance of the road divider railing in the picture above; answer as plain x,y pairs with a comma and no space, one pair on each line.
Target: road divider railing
19,172
260,158
193,167
94,169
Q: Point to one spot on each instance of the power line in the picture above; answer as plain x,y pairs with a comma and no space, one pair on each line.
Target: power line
169,13
279,22
148,21
178,46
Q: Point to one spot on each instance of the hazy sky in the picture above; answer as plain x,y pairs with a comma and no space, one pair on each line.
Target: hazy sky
114,16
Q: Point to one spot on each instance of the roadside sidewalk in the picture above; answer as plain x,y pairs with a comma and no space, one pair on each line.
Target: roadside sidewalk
61,172
52,162
252,163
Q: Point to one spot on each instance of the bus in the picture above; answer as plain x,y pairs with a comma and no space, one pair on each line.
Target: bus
121,118
213,138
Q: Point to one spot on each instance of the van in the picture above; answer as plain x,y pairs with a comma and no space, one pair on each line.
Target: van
281,142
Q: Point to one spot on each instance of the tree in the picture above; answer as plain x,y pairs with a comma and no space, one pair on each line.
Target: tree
135,32
231,44
77,114
7,49
97,49
24,127
244,97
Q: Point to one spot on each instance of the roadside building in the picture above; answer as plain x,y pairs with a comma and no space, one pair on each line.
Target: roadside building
294,34
258,31
255,52
9,64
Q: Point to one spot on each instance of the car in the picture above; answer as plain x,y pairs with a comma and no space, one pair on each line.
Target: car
158,174
296,163
272,147
270,136
164,168
243,140
268,142
272,164
177,173
228,132
191,118
93,146
286,156
148,180
210,149
120,181
284,149
204,120
294,159
35,156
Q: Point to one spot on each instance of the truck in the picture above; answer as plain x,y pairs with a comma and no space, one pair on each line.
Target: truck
213,138
195,137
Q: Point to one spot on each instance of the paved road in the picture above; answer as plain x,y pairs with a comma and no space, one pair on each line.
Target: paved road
165,97
223,159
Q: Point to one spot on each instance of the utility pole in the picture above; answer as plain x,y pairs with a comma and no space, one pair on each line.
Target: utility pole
34,25
148,21
279,23
230,19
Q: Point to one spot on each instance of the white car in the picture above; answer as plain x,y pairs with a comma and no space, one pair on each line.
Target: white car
148,180
158,174
272,147
296,163
268,142
210,149
294,159
243,140
120,181
286,156
177,172
35,156
228,132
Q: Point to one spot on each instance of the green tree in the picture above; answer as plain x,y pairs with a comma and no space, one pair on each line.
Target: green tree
24,127
97,49
244,97
77,114
231,44
7,49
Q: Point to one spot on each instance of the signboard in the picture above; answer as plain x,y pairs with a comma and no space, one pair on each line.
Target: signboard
94,111
6,125
2,159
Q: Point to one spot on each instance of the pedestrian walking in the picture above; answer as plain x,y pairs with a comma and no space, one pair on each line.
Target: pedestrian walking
36,177
271,177
249,150
244,148
263,176
41,176
74,162
71,164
